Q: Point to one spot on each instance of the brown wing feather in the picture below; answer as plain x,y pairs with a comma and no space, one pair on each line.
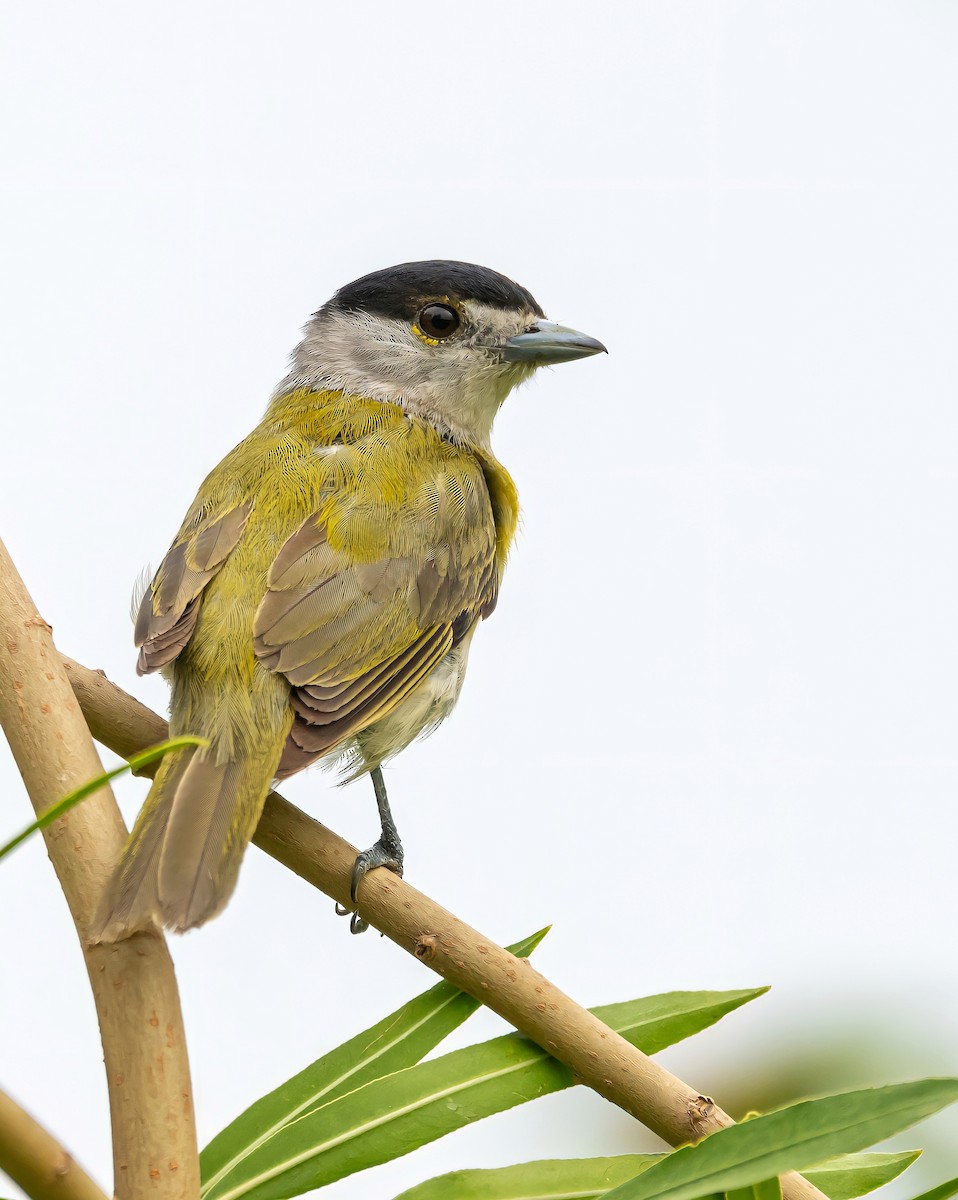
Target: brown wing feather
170,606
389,686
315,733
340,699
356,635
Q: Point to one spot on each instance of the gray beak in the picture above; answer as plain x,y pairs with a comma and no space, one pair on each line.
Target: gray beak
549,343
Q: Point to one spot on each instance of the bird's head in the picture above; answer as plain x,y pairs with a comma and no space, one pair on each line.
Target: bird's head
446,340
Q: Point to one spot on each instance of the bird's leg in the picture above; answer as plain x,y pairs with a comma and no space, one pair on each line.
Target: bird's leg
387,852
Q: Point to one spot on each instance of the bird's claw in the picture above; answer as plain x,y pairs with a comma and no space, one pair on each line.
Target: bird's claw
387,852
357,924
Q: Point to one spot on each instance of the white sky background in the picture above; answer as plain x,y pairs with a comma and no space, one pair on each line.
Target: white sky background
709,732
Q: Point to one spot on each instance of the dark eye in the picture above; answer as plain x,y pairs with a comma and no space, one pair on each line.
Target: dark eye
439,320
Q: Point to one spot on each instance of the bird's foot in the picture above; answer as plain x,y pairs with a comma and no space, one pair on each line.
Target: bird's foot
387,852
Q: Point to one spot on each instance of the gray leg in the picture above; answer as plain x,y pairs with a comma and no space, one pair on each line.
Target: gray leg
387,852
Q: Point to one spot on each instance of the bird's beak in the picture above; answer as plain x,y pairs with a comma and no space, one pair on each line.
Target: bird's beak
547,343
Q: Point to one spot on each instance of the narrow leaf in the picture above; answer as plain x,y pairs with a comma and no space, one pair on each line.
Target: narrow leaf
853,1175
768,1189
843,1178
87,789
944,1191
790,1139
400,1040
655,1022
549,1179
398,1113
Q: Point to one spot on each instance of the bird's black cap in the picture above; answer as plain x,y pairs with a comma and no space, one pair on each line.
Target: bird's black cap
401,291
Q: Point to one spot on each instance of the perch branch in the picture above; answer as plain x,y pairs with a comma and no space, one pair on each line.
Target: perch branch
154,1140
36,1161
511,987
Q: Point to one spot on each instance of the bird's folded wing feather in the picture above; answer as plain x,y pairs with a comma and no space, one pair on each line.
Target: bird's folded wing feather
170,606
365,599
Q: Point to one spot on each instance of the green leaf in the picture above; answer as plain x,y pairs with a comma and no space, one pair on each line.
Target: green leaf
655,1022
398,1113
549,1179
767,1189
87,789
399,1040
942,1192
790,1139
853,1175
842,1178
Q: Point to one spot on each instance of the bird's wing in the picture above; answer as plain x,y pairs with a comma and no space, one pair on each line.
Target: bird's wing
370,593
170,605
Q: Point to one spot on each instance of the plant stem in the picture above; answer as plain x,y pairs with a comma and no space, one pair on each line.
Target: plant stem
36,1161
511,987
141,1028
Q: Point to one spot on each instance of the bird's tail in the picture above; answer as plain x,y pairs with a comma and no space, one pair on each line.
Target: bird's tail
181,863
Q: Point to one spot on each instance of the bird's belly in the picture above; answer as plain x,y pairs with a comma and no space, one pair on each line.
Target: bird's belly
420,712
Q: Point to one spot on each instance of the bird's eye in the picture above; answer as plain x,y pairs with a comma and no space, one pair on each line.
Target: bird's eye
439,320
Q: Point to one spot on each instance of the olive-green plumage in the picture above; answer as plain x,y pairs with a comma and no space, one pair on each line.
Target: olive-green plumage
327,565
321,596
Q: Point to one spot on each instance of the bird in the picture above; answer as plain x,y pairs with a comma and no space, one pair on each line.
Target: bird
320,598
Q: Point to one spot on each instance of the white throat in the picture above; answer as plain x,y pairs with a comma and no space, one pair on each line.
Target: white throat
457,387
